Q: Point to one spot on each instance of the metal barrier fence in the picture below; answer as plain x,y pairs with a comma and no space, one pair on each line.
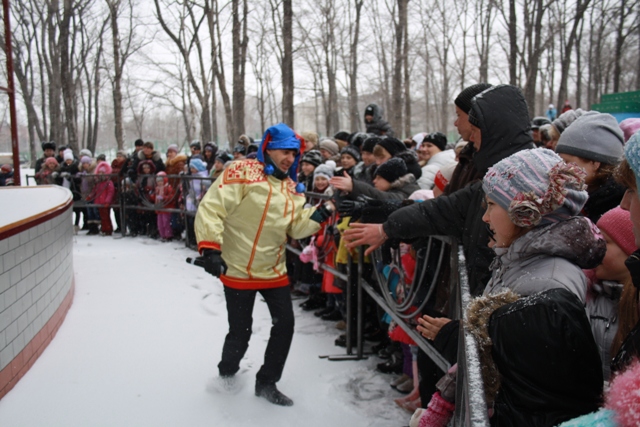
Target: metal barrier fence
134,197
471,408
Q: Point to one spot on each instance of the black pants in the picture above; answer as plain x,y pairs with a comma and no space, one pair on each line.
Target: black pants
240,309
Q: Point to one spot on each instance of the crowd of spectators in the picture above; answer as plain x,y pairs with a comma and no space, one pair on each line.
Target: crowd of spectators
556,310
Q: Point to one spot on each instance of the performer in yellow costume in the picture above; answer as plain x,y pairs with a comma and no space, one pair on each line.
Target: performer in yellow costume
242,226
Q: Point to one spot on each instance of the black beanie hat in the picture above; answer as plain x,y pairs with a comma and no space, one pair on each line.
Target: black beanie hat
392,169
313,157
438,139
392,145
463,101
352,151
369,143
342,136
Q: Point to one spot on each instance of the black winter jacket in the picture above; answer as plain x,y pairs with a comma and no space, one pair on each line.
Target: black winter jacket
548,361
603,199
504,122
378,126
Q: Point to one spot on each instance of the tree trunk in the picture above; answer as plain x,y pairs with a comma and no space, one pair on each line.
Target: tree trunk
66,75
354,113
56,129
397,104
513,43
407,84
534,59
114,11
566,61
287,63
239,42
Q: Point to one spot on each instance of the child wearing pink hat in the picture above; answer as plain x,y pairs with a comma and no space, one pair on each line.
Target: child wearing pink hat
606,286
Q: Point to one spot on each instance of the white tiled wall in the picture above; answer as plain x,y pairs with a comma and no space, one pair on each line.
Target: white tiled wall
36,268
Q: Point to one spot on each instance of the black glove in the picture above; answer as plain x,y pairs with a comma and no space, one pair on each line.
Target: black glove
212,262
355,208
352,208
377,211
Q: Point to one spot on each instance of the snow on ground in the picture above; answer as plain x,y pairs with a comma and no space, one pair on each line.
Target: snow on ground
140,345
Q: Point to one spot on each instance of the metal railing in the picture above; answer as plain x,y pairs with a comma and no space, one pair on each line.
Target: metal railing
471,408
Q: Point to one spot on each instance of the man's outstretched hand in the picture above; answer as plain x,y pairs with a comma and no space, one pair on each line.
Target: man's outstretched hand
365,234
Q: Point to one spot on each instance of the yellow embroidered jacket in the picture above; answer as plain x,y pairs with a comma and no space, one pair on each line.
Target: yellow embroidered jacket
247,215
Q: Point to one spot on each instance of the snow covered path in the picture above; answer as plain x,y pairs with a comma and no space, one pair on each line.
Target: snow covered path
141,343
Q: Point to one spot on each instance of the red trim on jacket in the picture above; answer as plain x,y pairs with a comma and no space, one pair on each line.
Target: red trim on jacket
208,245
255,284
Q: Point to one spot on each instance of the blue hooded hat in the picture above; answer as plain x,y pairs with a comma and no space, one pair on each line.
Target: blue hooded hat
282,137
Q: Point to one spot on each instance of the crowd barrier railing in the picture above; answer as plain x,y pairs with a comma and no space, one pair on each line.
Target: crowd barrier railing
471,407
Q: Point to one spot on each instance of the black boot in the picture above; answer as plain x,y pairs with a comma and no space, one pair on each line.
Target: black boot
323,311
272,394
393,365
93,230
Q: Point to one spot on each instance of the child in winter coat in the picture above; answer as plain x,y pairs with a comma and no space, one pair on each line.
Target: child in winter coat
197,189
612,308
87,183
324,248
595,143
103,193
165,198
47,175
532,200
146,187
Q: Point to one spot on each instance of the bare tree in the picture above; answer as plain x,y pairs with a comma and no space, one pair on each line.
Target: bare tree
626,11
239,42
287,63
580,8
187,40
122,49
354,35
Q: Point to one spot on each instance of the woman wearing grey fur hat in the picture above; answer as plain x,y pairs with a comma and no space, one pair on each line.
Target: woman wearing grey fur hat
594,141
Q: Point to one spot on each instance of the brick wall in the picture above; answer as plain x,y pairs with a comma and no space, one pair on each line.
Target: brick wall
36,289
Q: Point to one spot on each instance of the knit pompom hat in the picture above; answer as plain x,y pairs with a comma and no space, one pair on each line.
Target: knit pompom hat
593,136
326,170
313,157
85,152
85,159
532,185
618,226
392,170
172,147
68,154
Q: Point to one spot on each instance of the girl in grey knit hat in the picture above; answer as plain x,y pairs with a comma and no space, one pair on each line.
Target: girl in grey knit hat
594,141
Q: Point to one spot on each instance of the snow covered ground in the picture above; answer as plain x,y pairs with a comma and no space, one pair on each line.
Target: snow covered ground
140,345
